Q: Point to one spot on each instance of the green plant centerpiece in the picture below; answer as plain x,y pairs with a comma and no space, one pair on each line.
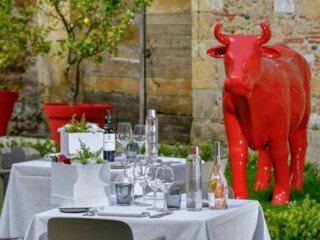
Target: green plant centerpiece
19,39
91,29
83,156
76,126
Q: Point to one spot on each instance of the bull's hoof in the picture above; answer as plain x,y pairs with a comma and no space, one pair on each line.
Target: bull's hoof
281,198
261,185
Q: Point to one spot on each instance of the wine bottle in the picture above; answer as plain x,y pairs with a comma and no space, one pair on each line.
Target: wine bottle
193,176
217,184
109,139
151,134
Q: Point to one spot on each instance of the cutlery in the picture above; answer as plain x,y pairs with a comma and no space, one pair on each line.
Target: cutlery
160,215
91,212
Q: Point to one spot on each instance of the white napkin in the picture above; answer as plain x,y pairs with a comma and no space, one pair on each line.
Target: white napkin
122,212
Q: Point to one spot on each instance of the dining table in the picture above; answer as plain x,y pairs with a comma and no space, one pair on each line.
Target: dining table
242,220
29,193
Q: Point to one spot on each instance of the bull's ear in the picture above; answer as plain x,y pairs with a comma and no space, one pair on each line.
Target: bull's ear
217,52
269,52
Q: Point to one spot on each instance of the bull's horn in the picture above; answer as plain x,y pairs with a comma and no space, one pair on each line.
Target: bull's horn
265,37
219,36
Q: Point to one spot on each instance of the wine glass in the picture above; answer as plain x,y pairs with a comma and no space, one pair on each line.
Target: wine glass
164,180
128,172
124,134
139,173
150,176
139,135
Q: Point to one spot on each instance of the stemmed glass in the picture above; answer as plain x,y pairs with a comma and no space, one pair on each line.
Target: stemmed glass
164,180
128,172
139,135
124,134
150,176
139,173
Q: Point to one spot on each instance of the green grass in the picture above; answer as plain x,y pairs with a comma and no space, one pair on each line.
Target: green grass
311,187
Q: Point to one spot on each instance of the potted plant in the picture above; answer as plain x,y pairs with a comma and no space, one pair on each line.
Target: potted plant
18,40
92,28
81,179
75,133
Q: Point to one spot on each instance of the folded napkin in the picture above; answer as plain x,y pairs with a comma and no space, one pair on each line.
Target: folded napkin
122,212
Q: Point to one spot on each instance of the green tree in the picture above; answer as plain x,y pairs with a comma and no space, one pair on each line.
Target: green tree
92,28
18,40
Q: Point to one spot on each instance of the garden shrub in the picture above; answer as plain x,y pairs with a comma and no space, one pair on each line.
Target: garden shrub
297,222
44,147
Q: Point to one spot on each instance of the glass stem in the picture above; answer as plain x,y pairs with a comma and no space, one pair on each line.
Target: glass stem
165,202
125,152
140,146
155,199
132,202
144,196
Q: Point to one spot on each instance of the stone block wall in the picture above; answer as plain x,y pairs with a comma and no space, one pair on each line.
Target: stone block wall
169,73
168,70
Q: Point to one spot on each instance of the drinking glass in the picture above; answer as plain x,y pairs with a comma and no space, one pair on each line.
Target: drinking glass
150,176
139,135
164,180
128,172
123,193
124,134
139,173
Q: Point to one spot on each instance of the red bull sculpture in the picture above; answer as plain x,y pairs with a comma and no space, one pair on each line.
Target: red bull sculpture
266,106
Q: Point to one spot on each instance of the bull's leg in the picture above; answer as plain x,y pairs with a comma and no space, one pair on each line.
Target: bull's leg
298,146
238,150
263,178
279,156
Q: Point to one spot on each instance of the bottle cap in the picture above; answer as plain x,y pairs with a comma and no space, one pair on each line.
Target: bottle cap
108,114
151,112
194,150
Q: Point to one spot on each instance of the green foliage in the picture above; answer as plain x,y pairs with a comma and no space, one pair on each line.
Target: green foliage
76,126
165,150
44,147
315,127
84,153
312,169
253,159
18,40
206,150
92,28
296,221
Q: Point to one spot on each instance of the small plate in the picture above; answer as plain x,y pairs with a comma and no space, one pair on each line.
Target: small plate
73,210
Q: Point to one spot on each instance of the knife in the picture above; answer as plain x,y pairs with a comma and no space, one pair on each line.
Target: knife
160,215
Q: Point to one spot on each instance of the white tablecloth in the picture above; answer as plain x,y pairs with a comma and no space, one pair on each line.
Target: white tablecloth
242,220
29,190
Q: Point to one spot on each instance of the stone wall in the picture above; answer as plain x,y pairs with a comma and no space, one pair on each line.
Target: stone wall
299,29
168,69
26,118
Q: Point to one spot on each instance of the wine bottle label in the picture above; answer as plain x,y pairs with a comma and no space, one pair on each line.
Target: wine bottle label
212,200
109,142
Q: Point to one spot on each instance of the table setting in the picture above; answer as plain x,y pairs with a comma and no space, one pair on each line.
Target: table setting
154,195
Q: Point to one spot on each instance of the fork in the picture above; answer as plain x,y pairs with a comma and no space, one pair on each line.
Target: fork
91,212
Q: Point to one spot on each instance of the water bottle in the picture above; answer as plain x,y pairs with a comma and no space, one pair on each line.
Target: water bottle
194,180
151,134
